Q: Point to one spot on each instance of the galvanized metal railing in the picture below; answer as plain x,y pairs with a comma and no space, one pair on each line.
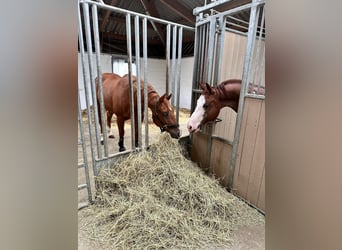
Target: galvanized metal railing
208,53
101,158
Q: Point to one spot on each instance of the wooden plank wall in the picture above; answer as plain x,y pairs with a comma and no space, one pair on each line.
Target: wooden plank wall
232,63
249,174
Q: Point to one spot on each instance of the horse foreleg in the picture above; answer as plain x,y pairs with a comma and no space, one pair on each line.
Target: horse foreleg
100,120
121,122
109,125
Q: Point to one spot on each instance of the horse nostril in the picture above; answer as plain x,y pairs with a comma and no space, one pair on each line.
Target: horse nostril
190,127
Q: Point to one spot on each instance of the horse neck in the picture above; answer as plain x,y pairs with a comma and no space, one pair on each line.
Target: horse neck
152,96
228,93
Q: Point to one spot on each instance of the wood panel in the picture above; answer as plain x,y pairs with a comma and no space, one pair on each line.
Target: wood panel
220,160
199,149
250,164
226,128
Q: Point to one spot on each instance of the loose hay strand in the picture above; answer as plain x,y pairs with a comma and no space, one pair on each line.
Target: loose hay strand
157,199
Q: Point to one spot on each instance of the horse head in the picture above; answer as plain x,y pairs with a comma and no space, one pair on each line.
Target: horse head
163,116
207,108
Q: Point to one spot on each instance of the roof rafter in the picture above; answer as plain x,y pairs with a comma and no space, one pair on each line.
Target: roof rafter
180,9
107,15
151,10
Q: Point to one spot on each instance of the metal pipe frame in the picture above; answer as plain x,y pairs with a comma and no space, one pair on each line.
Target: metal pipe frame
256,66
168,38
124,11
145,80
245,80
137,64
196,68
234,10
131,90
92,78
179,69
198,10
84,150
173,63
87,93
211,50
99,75
220,44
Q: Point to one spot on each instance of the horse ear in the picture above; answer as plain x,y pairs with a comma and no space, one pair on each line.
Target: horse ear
210,91
169,97
162,98
202,86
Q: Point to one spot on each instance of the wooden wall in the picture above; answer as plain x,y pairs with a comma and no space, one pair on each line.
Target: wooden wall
249,174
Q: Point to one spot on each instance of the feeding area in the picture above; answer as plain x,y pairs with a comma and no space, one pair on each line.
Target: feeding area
158,199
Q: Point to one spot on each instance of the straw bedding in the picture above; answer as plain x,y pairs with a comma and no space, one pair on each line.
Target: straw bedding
157,199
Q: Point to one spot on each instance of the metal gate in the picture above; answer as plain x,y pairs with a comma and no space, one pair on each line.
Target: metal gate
212,29
88,34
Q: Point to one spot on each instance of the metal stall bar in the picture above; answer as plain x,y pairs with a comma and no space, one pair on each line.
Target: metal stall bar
196,70
86,89
137,64
262,72
211,49
99,79
198,10
245,80
92,78
131,90
168,38
145,79
206,54
220,43
84,150
257,54
179,69
173,61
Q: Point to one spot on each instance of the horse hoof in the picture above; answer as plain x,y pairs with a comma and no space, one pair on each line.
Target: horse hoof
122,149
111,137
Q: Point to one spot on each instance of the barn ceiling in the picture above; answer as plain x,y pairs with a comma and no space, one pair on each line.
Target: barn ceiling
112,26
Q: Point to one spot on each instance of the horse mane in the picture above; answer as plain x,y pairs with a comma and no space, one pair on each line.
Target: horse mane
228,89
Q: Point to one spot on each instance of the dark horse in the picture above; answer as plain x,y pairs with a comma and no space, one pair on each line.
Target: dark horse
212,99
117,101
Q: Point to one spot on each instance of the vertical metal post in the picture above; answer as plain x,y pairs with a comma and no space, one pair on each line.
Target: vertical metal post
262,72
92,79
211,47
87,93
257,54
173,71
179,69
168,38
137,63
245,80
205,54
99,78
131,89
145,80
84,150
195,73
220,43
81,43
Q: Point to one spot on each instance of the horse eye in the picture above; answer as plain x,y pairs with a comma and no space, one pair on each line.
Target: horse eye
205,105
165,113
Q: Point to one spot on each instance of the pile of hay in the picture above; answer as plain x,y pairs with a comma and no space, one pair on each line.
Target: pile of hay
157,199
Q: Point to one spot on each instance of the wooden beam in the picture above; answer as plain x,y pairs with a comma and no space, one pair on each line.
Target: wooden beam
180,10
151,10
107,15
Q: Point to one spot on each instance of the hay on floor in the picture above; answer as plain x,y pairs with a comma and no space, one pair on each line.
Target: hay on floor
157,199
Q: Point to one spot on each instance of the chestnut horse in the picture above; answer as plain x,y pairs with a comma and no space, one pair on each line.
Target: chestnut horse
117,101
212,99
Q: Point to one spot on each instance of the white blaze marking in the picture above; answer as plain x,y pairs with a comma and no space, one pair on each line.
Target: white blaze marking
197,115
